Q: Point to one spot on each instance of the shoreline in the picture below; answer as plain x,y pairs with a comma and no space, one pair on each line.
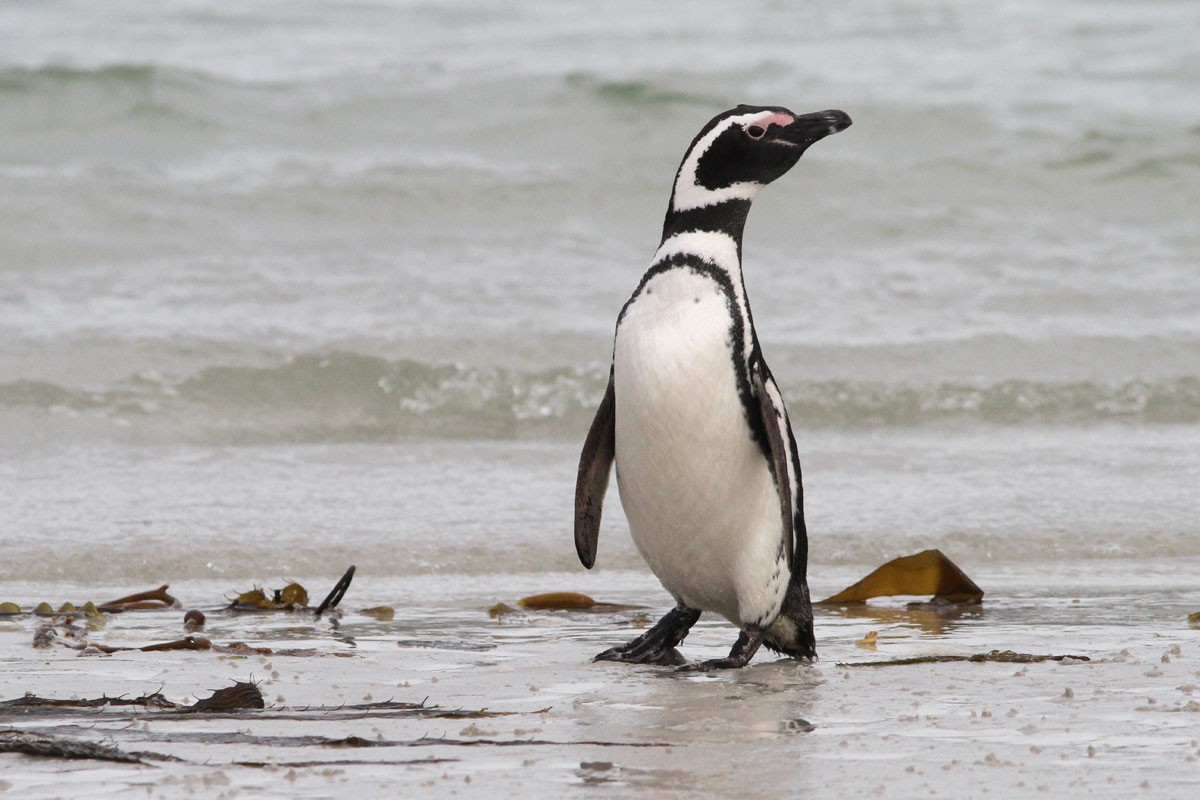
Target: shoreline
552,722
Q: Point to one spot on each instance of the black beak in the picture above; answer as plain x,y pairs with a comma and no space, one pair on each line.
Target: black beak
809,128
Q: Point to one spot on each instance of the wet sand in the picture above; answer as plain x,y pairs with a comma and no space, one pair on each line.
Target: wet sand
1125,722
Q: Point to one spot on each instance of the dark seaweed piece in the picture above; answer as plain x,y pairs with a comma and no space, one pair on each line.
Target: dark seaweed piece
153,599
475,647
186,643
30,701
1003,656
343,762
46,746
335,596
927,572
240,696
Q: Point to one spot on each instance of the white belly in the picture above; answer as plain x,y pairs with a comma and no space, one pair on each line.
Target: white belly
701,503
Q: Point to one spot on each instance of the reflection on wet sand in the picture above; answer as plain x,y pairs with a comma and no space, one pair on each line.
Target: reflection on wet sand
932,619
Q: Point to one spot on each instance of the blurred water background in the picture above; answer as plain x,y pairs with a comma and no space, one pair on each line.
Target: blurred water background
288,286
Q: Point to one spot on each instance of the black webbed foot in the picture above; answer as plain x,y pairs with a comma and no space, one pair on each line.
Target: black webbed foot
747,644
657,645
662,658
713,664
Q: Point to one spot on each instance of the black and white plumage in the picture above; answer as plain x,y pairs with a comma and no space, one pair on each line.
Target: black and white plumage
707,465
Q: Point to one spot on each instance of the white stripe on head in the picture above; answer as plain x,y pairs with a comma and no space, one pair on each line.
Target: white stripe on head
690,194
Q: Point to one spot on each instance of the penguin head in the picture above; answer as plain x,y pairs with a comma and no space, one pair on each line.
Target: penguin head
745,148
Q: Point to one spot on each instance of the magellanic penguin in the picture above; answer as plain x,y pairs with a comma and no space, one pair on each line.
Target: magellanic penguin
706,461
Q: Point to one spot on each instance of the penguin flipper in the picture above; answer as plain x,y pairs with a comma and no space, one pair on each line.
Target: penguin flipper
595,465
792,631
775,423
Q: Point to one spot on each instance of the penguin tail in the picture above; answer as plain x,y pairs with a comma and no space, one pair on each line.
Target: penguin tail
791,634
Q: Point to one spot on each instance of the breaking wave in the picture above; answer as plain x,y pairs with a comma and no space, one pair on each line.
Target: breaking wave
342,396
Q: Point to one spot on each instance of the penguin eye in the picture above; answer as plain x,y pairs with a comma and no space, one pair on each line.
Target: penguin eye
755,131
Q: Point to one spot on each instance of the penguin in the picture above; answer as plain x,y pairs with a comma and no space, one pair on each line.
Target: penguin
706,462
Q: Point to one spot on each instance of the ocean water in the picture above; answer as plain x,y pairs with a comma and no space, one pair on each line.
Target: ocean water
290,286
281,277
288,280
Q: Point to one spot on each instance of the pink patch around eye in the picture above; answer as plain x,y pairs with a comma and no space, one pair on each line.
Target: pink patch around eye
774,119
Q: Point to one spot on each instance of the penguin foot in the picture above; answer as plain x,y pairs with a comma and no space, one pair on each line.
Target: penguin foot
662,658
657,645
747,644
714,664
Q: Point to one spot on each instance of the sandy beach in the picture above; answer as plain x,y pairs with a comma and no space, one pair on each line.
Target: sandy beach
286,287
512,707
